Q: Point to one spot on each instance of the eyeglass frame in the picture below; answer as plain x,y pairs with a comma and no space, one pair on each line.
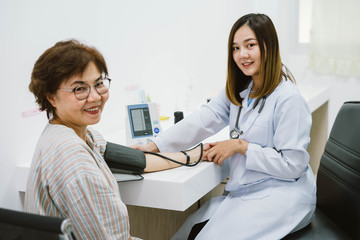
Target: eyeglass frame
73,90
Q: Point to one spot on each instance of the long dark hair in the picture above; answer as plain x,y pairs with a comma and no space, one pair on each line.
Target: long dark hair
271,71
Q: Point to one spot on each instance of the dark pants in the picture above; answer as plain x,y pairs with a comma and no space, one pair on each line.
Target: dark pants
196,229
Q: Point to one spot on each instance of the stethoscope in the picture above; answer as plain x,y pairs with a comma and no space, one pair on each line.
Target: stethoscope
235,133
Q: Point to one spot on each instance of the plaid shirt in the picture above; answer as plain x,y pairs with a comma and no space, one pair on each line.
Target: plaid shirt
69,178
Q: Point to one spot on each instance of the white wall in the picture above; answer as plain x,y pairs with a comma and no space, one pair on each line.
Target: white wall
176,46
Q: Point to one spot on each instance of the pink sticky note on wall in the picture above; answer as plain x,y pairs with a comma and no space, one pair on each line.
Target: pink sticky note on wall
31,112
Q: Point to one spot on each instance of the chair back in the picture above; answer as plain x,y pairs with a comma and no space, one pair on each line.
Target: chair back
338,178
20,225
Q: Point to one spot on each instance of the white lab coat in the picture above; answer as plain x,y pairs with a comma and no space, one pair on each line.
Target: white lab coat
272,188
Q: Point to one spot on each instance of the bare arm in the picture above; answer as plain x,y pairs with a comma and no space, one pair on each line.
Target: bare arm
156,163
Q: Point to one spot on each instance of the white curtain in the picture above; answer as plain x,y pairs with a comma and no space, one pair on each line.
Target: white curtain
335,37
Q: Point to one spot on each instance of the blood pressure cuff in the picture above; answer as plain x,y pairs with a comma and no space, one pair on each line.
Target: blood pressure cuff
124,158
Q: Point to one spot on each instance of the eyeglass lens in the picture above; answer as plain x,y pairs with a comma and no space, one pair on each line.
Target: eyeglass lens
82,91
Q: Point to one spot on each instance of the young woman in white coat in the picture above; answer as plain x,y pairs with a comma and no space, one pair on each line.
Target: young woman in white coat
271,191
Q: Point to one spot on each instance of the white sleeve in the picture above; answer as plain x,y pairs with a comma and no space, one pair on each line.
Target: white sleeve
199,125
289,157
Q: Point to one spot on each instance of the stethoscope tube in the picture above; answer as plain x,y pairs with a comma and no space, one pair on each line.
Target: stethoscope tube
235,133
183,164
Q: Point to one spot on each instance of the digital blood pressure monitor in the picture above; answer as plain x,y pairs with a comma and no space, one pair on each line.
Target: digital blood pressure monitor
142,123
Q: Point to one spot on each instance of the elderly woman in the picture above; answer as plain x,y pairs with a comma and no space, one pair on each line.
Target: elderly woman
69,177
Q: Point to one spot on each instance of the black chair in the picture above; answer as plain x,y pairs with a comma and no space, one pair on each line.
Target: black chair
337,214
16,225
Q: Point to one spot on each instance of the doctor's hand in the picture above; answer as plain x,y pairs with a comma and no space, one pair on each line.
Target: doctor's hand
218,152
149,147
206,147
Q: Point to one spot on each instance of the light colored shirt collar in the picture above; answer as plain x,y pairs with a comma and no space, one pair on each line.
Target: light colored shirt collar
246,91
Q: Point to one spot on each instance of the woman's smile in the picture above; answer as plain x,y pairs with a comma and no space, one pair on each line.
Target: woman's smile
92,110
247,64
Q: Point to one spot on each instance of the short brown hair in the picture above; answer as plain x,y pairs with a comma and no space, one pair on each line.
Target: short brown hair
59,63
271,72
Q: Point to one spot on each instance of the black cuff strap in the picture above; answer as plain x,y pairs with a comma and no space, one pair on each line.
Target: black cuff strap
124,158
187,157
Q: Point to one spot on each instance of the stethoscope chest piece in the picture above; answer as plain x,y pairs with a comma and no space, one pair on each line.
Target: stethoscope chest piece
235,133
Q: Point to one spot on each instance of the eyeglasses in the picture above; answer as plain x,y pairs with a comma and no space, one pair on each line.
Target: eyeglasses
82,91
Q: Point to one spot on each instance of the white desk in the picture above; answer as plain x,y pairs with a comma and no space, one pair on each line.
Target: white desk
179,188
315,96
175,189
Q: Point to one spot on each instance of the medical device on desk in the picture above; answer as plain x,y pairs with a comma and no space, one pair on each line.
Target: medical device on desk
142,123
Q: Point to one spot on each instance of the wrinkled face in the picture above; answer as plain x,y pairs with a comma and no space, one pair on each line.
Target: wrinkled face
246,52
74,113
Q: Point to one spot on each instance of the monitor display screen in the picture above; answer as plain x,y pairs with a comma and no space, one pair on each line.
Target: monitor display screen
141,122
